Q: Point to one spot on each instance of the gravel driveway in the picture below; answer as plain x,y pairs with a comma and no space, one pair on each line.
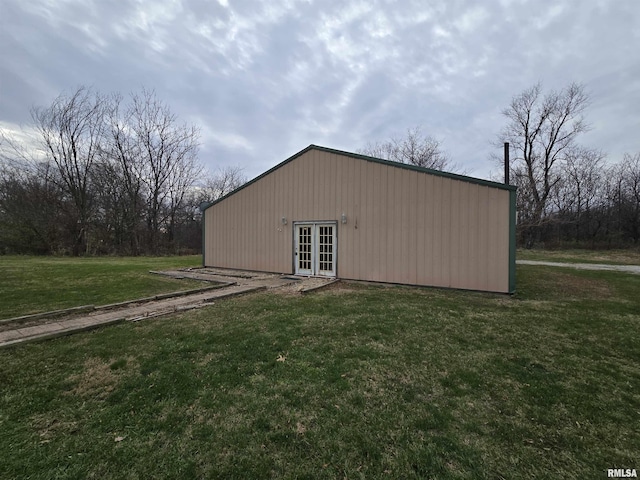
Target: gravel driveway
585,266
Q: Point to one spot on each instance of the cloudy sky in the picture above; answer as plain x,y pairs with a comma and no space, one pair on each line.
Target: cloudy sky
264,79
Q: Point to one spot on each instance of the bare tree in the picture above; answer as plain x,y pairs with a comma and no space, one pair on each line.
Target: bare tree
223,181
71,130
581,189
123,152
542,132
415,148
114,173
630,208
168,153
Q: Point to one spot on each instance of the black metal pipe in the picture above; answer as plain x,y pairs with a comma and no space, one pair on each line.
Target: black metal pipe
506,163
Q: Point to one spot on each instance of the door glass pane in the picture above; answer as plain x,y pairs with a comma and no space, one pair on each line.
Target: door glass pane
325,249
304,248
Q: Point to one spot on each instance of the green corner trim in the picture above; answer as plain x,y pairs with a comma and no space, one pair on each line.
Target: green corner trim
203,247
512,241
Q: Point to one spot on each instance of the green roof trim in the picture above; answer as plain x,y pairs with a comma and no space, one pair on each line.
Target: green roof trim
389,163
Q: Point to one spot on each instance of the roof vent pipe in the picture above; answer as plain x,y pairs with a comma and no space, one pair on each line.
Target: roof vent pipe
506,163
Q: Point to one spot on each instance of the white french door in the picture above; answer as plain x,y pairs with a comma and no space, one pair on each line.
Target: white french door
315,249
303,250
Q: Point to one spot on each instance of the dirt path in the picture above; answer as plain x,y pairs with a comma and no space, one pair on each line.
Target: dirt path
585,266
234,283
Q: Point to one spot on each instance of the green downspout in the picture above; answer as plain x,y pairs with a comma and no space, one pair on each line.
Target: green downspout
512,241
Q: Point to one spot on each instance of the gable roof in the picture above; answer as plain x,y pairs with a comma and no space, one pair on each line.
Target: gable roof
439,173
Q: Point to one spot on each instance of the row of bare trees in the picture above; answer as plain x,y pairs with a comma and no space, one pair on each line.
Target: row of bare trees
595,204
110,176
568,194
116,175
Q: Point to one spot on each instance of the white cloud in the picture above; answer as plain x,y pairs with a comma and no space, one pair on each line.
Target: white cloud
227,139
548,15
471,20
440,32
20,141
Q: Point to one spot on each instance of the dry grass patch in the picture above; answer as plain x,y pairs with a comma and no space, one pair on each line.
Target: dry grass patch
573,286
342,287
625,257
48,428
98,377
564,283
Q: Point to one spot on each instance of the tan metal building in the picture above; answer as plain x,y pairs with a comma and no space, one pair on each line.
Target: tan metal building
331,213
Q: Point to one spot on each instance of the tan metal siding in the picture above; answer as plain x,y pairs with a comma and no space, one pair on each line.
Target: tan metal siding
403,226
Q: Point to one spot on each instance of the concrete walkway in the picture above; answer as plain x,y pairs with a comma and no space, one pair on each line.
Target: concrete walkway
585,266
46,328
40,327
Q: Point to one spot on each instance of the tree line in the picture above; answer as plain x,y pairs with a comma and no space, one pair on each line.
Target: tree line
568,194
105,175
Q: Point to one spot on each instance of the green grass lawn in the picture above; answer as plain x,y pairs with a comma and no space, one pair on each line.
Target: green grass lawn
353,382
37,284
614,257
